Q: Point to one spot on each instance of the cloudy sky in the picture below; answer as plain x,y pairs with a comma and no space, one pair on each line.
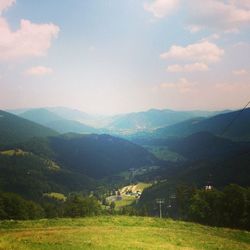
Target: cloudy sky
116,56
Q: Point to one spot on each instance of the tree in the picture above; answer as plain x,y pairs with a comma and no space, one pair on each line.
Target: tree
112,206
206,207
79,206
234,204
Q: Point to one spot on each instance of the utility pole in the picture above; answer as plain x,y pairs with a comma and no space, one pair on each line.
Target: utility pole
160,202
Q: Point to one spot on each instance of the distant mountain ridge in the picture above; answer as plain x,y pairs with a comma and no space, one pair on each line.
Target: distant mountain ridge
154,118
41,116
54,121
238,130
122,123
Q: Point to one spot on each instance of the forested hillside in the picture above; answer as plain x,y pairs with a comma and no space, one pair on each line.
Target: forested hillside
218,125
14,129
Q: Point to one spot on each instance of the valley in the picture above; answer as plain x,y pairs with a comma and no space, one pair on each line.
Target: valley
48,174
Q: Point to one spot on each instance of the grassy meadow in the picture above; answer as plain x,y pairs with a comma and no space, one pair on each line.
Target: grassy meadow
118,232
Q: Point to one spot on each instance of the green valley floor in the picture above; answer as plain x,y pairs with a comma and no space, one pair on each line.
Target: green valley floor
118,232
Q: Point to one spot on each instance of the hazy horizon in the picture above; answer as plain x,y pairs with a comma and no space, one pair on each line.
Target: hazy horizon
21,110
116,56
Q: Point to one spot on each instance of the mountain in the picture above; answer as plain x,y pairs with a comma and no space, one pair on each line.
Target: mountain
152,119
68,126
71,114
198,146
30,175
98,156
204,155
204,145
233,125
41,116
117,124
14,129
209,160
68,163
54,121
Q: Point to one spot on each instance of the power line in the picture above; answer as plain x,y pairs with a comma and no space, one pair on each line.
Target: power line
234,119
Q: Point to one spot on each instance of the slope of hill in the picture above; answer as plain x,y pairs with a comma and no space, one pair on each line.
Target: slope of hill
71,114
99,155
68,126
119,232
31,176
41,116
204,145
26,168
203,155
54,121
14,129
201,145
239,129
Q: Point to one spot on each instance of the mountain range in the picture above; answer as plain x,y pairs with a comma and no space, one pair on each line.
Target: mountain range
117,124
35,159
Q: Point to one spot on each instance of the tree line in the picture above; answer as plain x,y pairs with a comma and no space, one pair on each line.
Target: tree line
13,206
229,207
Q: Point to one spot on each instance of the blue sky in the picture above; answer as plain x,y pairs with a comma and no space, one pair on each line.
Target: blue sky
116,56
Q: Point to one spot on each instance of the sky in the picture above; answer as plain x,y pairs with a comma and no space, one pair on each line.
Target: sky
119,56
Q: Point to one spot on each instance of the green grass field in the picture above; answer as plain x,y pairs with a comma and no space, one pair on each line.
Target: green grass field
126,201
12,152
118,232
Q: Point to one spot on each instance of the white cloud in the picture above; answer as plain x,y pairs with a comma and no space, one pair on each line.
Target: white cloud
210,38
182,85
38,71
205,52
5,4
161,8
30,40
217,14
194,67
240,72
223,15
194,28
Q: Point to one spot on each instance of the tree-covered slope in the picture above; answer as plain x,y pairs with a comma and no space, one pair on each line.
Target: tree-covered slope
99,155
204,156
14,129
204,145
218,125
31,176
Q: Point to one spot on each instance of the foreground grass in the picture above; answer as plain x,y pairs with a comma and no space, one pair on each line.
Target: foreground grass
117,232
